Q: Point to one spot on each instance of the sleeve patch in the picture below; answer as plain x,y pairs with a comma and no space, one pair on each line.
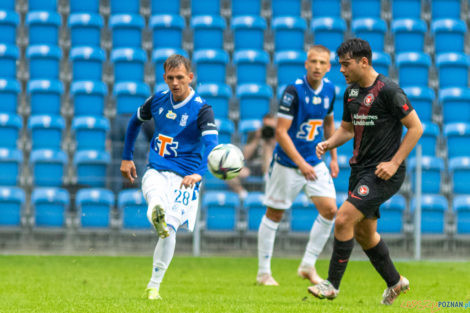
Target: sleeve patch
287,99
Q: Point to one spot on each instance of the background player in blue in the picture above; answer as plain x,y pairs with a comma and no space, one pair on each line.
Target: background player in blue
184,123
305,110
375,110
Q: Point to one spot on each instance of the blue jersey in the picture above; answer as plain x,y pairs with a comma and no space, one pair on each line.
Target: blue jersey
307,108
177,144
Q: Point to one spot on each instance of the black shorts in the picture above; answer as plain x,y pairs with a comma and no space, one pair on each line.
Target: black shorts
367,192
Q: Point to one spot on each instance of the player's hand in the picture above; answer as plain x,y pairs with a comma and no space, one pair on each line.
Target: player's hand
190,180
334,168
308,171
322,147
385,170
128,170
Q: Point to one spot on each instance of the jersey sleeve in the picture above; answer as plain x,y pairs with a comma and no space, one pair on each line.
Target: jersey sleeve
289,103
144,112
346,113
400,106
206,121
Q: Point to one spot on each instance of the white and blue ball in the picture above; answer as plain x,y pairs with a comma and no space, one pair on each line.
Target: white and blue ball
225,161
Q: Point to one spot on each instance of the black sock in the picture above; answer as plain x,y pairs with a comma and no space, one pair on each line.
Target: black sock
380,258
339,260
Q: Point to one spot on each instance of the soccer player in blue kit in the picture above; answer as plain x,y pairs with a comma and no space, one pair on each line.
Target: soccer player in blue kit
375,111
185,134
305,114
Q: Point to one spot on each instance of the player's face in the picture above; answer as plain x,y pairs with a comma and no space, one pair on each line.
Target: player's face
178,80
317,65
352,69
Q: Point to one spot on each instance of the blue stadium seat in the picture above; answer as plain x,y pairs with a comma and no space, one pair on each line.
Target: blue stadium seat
211,183
286,8
461,206
44,61
126,30
91,167
87,63
205,7
9,91
254,209
328,31
449,35
9,20
50,207
221,208
10,128
133,210
455,103
167,31
371,29
12,201
433,208
409,34
160,87
338,105
90,132
288,33
365,8
46,131
459,170
247,126
129,64
421,99
48,167
85,6
303,214
248,32
159,57
453,69
326,8
445,9
45,96
226,129
85,29
381,62
432,171
391,215
42,5
8,57
290,65
458,139
347,148
429,139
129,96
251,66
334,75
210,65
8,5
11,161
124,7
208,31
43,27
94,207
165,7
217,96
413,68
88,97
246,7
254,100
342,181
406,9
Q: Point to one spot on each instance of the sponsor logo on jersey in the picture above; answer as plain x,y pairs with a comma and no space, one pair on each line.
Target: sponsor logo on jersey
287,99
316,100
353,92
405,107
307,100
184,119
171,115
198,99
160,111
308,130
369,99
363,190
166,146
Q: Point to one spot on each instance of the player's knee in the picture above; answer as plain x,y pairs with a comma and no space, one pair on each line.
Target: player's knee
329,212
274,215
342,223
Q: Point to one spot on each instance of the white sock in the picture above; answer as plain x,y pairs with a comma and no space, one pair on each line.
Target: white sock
318,237
161,258
266,236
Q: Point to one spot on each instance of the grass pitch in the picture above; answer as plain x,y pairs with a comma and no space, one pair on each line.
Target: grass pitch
116,284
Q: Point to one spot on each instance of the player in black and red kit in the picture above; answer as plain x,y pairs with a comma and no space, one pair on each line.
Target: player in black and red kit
375,108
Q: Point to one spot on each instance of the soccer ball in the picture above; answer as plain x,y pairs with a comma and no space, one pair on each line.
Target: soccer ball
225,161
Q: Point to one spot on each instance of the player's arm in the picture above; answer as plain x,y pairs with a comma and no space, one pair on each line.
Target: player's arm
329,129
343,134
143,113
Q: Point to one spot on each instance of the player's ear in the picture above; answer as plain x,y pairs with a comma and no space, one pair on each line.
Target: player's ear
191,76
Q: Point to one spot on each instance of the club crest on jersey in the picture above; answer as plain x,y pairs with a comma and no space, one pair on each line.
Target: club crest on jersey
184,119
171,115
316,100
369,99
363,190
354,92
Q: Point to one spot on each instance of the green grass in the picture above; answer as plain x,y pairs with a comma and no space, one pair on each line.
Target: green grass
116,284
